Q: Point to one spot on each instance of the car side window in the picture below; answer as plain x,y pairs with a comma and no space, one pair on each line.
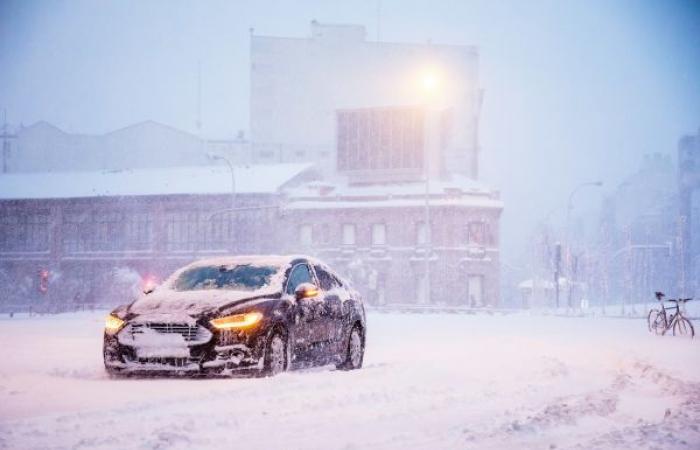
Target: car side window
325,279
299,274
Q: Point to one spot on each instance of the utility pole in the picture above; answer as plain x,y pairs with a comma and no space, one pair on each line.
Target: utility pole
557,270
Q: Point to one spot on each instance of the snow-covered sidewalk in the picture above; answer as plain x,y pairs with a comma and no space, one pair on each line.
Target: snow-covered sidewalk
430,381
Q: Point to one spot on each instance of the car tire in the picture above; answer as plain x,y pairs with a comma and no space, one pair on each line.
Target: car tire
276,358
354,351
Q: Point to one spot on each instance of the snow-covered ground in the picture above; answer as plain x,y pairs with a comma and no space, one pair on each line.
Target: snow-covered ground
430,381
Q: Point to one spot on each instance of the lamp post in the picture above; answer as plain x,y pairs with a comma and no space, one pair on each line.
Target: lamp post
216,157
569,207
430,84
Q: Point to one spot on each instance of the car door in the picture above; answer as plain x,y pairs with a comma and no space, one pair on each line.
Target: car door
307,316
334,296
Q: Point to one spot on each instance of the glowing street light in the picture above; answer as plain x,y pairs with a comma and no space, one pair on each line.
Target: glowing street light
430,83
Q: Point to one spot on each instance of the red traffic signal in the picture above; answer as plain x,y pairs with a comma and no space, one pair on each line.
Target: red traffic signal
43,281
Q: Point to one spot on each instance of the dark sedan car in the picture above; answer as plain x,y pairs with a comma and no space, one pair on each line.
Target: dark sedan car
243,314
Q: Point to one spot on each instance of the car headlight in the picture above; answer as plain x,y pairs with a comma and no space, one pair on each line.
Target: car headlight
236,321
113,324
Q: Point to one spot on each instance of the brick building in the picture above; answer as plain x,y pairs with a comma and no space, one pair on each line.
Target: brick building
97,235
376,235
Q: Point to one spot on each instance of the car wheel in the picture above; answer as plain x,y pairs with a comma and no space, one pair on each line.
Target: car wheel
355,350
275,355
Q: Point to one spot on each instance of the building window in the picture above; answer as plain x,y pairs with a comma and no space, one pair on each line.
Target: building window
305,235
421,233
348,234
76,232
220,230
325,233
139,231
108,231
378,234
24,232
475,290
181,231
422,296
95,231
195,230
477,233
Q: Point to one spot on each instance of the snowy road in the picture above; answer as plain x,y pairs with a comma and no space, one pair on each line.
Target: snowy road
429,382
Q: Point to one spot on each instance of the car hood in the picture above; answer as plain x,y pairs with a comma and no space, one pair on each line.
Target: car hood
192,303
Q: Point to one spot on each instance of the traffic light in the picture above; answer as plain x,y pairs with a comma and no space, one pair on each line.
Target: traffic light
43,281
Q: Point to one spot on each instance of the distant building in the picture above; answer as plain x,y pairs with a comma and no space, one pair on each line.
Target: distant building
43,147
689,184
299,85
638,236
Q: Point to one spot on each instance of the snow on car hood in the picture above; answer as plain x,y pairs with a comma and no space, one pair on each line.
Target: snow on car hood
191,302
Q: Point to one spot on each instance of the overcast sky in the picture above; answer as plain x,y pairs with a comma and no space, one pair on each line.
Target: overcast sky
574,90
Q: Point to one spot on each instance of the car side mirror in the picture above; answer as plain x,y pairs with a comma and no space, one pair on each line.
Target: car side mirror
305,290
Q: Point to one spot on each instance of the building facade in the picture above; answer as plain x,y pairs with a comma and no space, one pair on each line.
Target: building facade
97,239
299,84
377,236
689,184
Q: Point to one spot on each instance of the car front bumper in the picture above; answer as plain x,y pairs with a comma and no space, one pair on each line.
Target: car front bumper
206,353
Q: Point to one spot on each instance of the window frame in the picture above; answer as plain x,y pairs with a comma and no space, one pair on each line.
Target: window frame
378,226
350,226
291,271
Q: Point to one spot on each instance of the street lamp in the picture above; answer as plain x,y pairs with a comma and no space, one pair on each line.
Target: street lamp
569,207
430,83
216,157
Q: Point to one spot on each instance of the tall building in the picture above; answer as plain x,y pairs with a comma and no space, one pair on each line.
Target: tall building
394,129
302,89
689,175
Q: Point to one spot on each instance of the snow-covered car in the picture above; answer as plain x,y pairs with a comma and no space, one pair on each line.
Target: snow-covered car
235,315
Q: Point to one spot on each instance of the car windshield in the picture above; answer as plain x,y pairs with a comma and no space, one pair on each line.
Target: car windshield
243,277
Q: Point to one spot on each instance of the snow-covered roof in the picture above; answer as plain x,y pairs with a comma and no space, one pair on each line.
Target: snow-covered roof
256,179
454,191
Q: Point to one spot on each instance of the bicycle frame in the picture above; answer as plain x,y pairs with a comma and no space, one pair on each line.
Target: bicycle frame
669,318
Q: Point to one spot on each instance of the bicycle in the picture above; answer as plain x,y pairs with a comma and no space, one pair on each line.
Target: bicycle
659,322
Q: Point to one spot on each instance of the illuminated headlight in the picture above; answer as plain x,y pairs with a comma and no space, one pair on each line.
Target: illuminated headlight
236,321
113,324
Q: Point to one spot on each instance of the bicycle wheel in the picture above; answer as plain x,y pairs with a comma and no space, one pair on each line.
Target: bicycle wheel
656,321
683,327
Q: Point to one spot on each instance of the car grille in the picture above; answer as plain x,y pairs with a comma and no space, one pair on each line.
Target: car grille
165,361
188,332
